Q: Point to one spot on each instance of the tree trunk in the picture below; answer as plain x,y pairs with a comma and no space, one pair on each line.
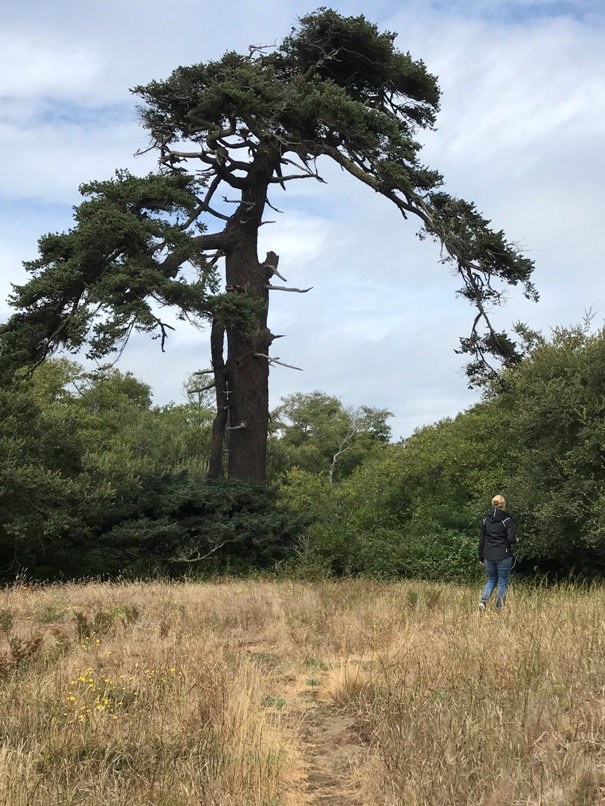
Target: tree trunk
247,365
247,373
217,337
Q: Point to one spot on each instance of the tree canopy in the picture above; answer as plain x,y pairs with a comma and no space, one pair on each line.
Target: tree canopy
226,134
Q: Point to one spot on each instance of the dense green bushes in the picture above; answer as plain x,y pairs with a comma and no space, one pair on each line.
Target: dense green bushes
415,508
180,523
95,480
554,419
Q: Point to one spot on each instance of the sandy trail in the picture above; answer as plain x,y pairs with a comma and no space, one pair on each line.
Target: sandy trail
327,739
332,751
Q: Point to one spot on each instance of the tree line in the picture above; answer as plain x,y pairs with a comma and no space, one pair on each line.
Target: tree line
95,480
537,436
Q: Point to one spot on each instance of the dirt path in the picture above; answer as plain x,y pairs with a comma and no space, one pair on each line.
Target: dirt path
332,750
329,744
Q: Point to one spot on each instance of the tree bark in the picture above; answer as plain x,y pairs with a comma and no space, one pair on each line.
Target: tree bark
247,373
217,338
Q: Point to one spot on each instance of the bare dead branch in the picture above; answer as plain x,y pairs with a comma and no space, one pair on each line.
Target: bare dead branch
171,156
273,207
309,172
164,331
277,361
344,446
142,151
254,49
200,557
284,288
200,389
279,180
239,427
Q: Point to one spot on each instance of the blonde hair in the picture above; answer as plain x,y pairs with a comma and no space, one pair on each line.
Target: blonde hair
499,501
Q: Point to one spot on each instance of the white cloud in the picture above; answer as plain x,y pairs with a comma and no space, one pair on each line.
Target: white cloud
49,162
35,66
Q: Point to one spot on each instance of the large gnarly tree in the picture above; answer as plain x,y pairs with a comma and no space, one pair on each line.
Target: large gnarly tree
226,133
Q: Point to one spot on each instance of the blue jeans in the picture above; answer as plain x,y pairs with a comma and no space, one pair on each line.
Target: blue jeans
498,572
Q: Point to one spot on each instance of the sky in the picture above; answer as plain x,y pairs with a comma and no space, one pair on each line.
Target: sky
521,132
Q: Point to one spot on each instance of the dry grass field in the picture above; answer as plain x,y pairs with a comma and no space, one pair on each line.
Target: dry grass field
263,693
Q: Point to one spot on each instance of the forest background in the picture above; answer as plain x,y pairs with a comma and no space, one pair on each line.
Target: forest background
96,481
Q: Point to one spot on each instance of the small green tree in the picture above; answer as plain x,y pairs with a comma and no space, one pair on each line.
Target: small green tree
45,491
318,434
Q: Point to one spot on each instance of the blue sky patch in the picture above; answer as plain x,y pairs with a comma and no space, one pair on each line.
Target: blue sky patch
520,12
56,111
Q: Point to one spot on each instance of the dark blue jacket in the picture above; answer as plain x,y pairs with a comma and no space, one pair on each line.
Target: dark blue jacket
497,535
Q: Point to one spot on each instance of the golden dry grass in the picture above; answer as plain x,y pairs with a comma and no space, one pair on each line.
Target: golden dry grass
262,693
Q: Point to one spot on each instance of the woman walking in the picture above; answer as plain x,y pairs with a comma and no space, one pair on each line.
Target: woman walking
496,537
